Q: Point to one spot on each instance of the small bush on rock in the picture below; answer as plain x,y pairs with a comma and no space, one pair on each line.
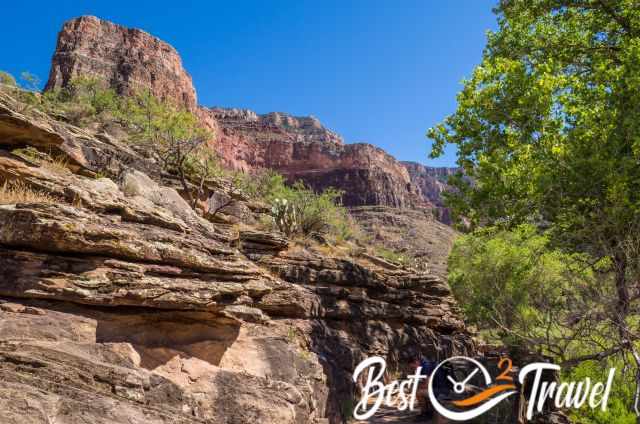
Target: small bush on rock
284,216
298,210
85,100
6,79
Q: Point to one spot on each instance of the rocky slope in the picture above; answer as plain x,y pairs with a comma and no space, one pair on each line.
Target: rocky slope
415,233
301,148
120,304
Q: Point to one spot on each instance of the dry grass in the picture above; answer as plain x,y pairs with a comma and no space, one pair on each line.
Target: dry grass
56,164
18,192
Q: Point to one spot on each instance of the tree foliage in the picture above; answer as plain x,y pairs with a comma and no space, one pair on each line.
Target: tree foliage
523,293
84,100
174,136
547,129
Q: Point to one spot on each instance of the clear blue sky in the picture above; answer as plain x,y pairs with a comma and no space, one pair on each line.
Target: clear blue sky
376,71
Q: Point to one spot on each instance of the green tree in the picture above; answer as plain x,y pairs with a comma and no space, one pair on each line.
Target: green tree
174,136
94,94
85,99
547,129
523,293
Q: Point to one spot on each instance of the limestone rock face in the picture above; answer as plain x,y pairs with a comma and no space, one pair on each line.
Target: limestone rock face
120,304
125,58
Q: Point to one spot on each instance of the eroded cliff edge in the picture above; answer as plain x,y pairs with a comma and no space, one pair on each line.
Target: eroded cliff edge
299,147
120,303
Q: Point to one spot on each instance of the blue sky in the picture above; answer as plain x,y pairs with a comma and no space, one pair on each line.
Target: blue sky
375,71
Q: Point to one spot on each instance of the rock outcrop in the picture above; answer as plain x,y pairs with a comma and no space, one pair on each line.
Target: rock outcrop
414,233
301,148
298,147
125,58
432,183
119,304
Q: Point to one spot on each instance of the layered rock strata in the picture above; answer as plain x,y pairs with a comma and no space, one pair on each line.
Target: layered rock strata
127,59
119,304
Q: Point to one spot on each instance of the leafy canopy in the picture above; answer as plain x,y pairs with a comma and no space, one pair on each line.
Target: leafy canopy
547,124
530,297
547,129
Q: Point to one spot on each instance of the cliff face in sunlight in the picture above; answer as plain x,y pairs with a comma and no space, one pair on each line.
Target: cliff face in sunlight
120,303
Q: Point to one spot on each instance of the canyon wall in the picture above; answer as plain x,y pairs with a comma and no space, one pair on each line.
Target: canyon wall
127,59
301,148
298,147
120,304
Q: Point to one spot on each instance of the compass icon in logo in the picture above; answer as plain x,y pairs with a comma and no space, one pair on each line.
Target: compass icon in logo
477,403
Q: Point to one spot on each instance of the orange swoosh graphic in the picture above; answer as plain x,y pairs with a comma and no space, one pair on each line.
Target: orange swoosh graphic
487,393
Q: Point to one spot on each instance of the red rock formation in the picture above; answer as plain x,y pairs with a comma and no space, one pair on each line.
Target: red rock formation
432,183
125,58
301,148
298,147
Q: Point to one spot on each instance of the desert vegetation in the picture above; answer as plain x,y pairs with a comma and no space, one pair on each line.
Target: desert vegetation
175,139
12,192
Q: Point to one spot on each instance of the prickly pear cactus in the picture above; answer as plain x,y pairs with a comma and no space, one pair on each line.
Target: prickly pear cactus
284,216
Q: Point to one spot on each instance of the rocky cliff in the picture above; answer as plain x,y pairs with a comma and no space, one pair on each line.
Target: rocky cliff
301,148
120,304
126,58
432,183
298,147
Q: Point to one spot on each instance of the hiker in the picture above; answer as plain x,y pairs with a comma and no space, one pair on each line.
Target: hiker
441,386
427,367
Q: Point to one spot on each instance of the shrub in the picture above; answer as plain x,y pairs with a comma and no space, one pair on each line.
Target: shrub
522,291
298,210
85,99
265,184
7,79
